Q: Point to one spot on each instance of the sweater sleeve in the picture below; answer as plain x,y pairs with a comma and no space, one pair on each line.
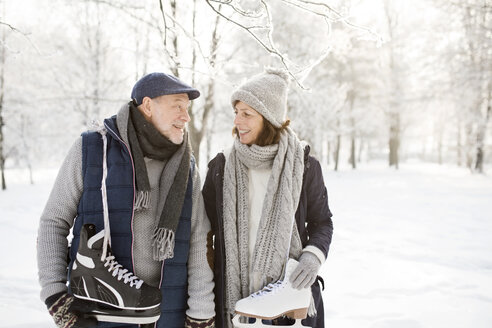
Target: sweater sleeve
200,277
55,223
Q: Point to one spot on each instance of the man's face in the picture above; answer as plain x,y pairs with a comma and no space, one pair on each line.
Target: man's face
169,115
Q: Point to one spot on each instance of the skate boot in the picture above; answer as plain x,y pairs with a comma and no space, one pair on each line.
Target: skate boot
120,296
275,300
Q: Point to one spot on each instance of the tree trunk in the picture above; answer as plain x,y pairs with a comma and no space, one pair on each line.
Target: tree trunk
337,151
352,134
198,133
479,160
328,146
2,90
352,151
2,152
394,87
172,54
458,144
31,178
481,141
468,150
394,139
175,41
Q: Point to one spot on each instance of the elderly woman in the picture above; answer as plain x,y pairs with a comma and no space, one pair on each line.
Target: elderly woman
266,198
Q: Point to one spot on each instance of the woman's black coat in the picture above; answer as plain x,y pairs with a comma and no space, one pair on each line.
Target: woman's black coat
313,219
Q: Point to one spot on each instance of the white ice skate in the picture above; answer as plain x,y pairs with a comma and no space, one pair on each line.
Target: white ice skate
273,301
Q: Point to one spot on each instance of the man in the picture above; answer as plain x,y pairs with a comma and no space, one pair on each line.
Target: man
136,176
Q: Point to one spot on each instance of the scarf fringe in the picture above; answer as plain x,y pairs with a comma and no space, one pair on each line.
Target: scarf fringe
163,244
143,200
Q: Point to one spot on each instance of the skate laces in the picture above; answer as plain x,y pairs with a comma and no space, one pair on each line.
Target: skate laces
117,269
121,273
270,288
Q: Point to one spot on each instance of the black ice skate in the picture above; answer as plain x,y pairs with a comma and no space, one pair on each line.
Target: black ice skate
120,295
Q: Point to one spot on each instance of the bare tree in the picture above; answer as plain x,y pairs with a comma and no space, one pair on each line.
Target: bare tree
197,133
94,77
468,57
174,54
478,27
394,92
2,124
2,93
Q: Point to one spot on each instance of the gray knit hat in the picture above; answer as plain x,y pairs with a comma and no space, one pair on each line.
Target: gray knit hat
267,94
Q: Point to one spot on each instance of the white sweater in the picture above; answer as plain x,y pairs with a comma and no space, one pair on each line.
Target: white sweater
257,187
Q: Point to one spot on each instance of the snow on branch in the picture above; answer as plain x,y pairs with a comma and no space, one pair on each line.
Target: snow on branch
247,20
337,16
25,35
11,27
268,45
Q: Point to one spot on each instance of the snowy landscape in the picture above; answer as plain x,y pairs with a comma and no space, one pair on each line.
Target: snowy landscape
394,98
411,248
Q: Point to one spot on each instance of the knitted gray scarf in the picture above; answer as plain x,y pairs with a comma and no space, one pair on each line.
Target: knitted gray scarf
279,206
146,140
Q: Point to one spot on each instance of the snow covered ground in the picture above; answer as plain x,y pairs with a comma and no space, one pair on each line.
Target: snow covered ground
412,248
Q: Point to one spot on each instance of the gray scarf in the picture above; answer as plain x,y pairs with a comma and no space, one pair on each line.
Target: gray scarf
275,232
146,140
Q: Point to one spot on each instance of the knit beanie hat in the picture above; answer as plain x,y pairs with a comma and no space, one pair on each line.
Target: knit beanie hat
267,94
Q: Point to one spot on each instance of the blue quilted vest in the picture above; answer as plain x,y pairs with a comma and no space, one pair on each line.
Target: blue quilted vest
120,192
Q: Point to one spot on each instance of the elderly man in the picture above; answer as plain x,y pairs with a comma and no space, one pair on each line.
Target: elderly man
131,192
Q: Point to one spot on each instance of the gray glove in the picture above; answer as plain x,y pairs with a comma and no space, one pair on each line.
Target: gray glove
305,273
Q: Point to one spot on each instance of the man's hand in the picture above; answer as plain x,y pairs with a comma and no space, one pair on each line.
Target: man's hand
306,272
70,312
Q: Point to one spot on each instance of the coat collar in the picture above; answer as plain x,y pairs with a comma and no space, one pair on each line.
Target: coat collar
117,125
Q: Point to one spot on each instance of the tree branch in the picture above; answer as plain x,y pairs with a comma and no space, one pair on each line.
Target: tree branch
339,17
269,48
25,35
312,7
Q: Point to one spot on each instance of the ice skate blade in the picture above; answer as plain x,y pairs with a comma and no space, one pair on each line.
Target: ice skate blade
258,323
135,320
294,314
126,316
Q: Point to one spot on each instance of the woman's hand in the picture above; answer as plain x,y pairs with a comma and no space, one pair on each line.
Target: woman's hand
306,272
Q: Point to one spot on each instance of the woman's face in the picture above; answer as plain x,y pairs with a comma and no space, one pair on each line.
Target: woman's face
248,123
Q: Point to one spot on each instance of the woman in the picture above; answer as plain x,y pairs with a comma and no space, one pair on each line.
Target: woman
252,193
